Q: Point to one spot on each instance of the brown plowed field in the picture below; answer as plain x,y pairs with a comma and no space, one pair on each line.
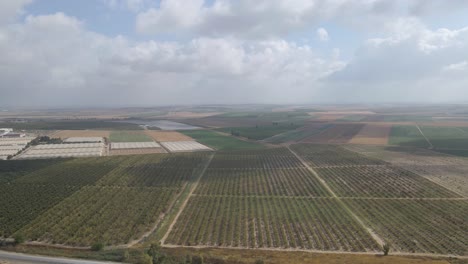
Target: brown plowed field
162,136
336,134
81,133
372,134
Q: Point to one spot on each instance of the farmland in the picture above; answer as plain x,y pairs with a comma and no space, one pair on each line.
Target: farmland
337,133
128,136
372,134
416,225
162,136
446,137
259,132
64,196
257,222
220,142
407,136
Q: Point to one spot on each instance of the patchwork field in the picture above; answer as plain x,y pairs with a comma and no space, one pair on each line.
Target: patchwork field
64,196
335,134
259,132
372,134
220,142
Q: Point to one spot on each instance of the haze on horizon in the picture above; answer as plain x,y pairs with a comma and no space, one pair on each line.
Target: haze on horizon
56,53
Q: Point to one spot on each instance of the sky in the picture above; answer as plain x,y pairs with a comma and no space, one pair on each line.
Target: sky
56,53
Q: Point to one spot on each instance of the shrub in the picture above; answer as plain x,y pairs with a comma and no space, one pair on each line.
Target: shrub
386,249
98,246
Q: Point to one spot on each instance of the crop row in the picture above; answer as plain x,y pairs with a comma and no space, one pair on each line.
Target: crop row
267,222
112,215
250,161
329,155
417,226
21,203
271,182
381,181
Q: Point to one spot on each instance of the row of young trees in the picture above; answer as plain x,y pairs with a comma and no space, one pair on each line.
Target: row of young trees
269,182
381,181
266,222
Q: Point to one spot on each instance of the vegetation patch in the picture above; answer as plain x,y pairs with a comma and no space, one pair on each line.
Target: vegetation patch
128,136
259,132
410,136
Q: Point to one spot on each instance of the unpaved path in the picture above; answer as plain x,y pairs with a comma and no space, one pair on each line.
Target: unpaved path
182,207
367,228
429,142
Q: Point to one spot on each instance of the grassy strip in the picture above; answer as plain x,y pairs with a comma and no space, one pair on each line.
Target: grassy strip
125,136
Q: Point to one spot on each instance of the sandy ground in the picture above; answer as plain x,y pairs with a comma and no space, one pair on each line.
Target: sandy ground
163,136
372,134
81,133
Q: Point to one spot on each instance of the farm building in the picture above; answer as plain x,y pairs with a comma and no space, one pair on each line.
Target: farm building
184,146
84,140
11,146
64,151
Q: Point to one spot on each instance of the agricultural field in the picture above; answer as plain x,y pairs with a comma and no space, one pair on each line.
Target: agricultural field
312,128
437,226
259,132
398,118
129,136
446,137
63,134
64,196
274,158
162,136
219,141
330,155
407,135
261,222
335,134
372,134
268,182
381,181
447,171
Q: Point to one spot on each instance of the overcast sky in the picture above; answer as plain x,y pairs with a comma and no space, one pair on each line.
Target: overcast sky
56,53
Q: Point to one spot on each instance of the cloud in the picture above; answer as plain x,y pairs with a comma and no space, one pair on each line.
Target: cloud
413,63
131,5
74,66
9,9
322,34
253,19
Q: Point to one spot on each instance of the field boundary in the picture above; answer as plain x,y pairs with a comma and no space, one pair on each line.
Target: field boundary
184,204
376,237
338,252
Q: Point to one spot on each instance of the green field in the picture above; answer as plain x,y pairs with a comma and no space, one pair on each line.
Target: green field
129,136
220,142
410,136
258,132
446,137
298,134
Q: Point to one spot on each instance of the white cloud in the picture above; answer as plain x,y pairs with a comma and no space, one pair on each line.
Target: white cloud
456,67
406,66
9,9
131,5
253,19
322,34
75,66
